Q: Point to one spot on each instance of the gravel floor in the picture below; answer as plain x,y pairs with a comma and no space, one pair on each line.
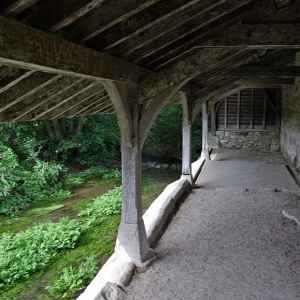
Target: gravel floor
227,243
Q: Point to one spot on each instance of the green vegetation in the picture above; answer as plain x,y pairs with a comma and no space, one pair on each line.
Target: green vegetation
34,186
28,251
109,203
73,279
166,132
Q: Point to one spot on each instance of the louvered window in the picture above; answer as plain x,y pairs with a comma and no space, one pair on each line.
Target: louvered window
248,109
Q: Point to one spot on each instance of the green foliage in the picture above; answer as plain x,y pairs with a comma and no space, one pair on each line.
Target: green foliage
166,132
28,251
109,203
73,179
297,169
30,182
73,279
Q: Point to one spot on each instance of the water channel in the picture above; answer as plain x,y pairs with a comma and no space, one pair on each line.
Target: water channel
98,242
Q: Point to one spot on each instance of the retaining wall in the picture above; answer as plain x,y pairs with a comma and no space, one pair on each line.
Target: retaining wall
237,139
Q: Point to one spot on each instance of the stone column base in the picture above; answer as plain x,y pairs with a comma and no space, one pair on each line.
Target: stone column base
132,244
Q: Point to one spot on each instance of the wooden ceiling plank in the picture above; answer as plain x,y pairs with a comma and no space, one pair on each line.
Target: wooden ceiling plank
68,107
79,113
31,92
270,36
23,88
111,12
68,84
15,7
138,23
163,26
44,52
94,107
19,76
101,111
189,44
51,19
171,30
79,94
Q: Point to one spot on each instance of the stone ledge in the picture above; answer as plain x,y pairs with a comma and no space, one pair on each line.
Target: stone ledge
118,270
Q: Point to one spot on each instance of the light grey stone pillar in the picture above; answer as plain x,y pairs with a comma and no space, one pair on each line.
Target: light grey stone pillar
205,149
186,137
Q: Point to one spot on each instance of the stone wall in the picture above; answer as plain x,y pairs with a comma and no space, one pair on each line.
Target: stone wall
237,139
290,120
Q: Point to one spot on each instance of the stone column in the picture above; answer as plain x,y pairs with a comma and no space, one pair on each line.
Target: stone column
205,149
186,137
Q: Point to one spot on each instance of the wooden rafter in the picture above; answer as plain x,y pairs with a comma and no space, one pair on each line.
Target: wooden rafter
43,52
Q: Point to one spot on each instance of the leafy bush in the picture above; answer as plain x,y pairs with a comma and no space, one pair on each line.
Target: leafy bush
73,279
28,251
20,185
109,203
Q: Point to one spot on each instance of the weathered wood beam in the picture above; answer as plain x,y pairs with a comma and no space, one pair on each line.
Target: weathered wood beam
158,13
99,108
25,87
105,102
188,68
152,110
186,170
58,14
56,92
66,108
143,49
111,12
12,76
277,36
44,52
165,27
10,8
262,71
82,94
31,93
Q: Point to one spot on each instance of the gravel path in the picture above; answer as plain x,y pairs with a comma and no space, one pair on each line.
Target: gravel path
227,243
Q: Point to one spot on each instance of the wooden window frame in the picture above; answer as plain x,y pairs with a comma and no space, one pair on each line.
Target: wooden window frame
264,109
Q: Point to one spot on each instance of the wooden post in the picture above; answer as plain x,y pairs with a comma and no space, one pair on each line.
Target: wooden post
187,136
205,149
132,241
276,140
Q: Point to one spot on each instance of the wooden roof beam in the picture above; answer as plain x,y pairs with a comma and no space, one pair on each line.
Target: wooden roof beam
270,36
63,85
189,68
47,53
167,27
11,8
58,14
182,38
155,15
265,71
82,94
66,108
111,12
